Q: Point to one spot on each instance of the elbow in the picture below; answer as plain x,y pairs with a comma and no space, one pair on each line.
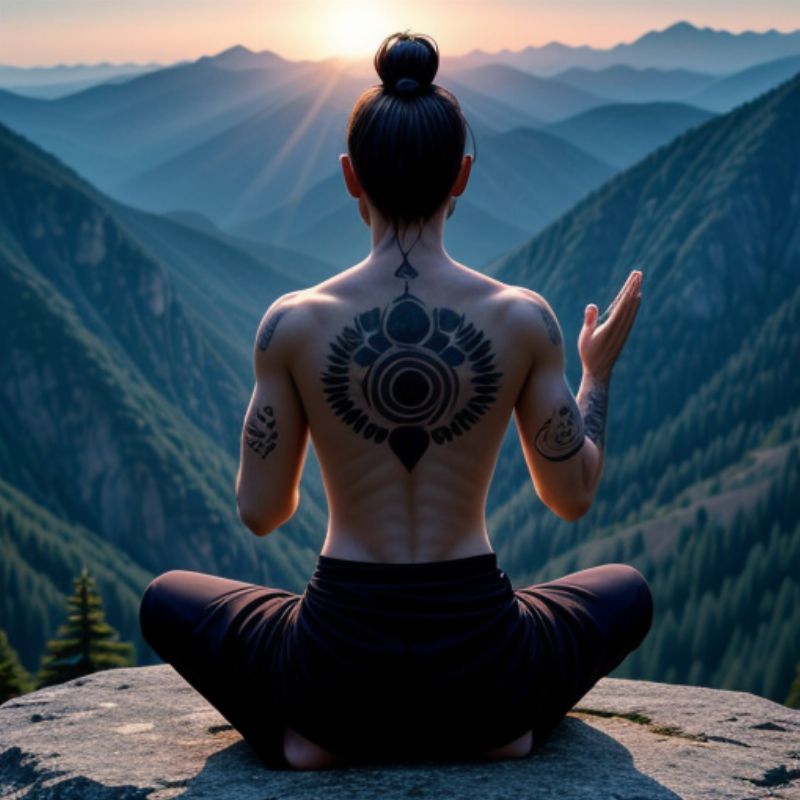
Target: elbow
575,513
261,523
571,511
576,510
256,523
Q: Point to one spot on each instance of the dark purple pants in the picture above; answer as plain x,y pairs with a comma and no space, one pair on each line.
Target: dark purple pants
387,662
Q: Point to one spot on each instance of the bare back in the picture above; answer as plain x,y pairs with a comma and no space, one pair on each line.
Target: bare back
407,379
408,386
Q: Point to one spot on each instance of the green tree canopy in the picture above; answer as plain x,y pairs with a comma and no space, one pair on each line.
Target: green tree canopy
793,698
86,642
14,678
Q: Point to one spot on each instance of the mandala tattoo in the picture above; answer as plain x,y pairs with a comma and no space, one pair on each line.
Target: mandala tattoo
562,435
268,328
260,433
409,375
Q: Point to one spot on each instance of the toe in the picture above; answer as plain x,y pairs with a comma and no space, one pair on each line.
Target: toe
301,753
518,748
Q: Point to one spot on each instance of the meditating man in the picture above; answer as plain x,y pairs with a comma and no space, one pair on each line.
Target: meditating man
404,369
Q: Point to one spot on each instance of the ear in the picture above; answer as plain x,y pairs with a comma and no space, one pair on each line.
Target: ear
463,176
350,178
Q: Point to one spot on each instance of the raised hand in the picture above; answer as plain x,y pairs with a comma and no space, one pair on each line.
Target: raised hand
601,340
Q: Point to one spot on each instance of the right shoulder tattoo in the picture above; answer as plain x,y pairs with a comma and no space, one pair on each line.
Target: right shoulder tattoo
552,326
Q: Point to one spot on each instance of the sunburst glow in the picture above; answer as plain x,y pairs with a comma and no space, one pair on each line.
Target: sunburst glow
355,28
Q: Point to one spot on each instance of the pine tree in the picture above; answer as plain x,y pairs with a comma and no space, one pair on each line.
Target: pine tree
14,678
793,698
86,642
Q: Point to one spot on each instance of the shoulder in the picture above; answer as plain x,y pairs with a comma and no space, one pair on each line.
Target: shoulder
286,322
529,313
282,322
518,304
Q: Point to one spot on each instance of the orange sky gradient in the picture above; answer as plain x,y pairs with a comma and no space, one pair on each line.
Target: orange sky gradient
43,32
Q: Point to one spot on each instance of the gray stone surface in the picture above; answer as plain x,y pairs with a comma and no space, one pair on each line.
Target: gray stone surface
138,733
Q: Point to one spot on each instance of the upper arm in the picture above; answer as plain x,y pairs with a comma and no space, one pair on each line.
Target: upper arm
274,436
550,425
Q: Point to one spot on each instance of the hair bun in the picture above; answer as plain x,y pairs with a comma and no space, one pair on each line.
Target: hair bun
407,62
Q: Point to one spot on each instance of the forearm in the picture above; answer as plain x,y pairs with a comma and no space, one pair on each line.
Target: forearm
592,399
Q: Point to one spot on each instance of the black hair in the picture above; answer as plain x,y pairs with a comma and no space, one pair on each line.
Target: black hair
406,136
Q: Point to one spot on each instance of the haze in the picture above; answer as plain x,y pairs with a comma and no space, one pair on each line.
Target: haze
44,33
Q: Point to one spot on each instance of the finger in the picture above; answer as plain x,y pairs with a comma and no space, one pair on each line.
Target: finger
609,311
633,280
620,293
590,316
617,343
619,333
622,315
589,325
628,308
618,306
633,276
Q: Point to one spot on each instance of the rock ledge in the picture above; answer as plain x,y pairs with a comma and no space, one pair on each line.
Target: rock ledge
131,734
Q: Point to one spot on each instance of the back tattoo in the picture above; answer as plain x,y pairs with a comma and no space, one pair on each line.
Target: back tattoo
407,374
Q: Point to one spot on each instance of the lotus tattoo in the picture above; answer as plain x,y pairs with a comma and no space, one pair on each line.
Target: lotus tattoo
408,375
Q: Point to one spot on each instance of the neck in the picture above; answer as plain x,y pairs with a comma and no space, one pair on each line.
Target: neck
424,244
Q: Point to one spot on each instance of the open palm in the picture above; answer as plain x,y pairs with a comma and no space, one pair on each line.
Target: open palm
600,343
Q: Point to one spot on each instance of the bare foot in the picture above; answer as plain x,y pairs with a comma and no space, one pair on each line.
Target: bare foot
518,748
301,753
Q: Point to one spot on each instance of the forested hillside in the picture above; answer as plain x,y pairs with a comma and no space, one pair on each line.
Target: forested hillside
706,387
122,405
127,370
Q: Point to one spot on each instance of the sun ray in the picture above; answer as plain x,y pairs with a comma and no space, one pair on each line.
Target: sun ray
272,164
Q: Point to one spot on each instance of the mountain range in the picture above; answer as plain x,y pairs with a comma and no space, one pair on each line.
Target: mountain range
127,339
678,45
251,139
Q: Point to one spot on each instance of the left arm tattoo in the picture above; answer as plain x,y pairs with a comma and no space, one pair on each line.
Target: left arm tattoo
260,432
562,434
593,403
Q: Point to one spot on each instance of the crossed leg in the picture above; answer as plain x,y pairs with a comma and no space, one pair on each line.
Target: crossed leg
198,623
170,613
593,618
608,608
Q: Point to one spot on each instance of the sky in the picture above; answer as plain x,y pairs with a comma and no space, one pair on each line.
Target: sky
49,32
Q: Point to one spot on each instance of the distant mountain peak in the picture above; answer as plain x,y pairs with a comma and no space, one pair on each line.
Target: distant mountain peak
240,57
684,28
680,30
236,49
682,25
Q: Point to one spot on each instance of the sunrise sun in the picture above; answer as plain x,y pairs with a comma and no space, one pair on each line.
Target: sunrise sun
356,28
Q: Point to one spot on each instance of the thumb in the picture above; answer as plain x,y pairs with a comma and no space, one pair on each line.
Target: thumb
590,315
